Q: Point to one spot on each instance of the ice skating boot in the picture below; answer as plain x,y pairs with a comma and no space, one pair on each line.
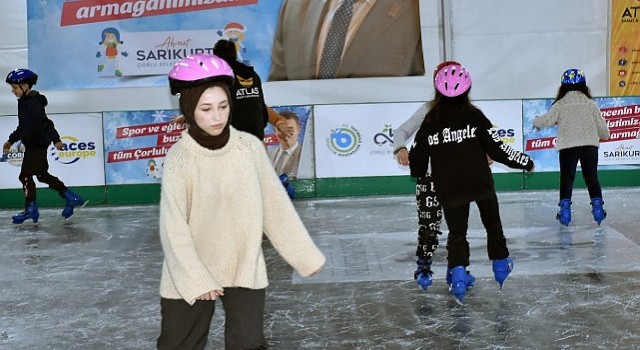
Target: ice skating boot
501,269
471,280
564,215
284,179
461,281
423,274
597,210
72,200
30,212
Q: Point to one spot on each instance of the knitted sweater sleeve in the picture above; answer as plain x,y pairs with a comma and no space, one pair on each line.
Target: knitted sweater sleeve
601,123
282,225
189,275
410,126
548,119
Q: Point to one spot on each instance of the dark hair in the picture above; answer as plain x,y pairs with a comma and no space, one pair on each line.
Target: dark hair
446,107
226,50
580,87
288,115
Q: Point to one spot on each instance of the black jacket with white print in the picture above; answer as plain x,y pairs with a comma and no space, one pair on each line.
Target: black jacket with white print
457,146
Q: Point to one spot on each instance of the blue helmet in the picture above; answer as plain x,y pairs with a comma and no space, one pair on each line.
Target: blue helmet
22,75
573,76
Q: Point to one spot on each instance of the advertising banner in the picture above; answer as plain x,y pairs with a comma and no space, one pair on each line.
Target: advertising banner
75,44
622,148
299,165
624,77
136,144
357,140
79,163
506,117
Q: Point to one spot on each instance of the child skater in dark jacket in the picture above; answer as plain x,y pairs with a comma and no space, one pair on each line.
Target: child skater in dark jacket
456,139
36,132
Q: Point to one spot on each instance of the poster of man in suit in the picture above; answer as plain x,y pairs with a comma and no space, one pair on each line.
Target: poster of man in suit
382,39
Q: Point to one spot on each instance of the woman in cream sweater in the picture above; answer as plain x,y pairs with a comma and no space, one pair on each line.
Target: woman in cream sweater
219,195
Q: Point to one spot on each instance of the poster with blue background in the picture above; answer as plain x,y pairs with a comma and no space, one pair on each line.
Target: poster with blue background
113,43
620,151
136,143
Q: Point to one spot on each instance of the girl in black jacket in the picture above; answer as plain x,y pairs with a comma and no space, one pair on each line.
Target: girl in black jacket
456,138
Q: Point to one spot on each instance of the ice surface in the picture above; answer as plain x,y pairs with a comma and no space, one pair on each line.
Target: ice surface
93,283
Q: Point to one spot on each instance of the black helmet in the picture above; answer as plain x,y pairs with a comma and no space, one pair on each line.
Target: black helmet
21,76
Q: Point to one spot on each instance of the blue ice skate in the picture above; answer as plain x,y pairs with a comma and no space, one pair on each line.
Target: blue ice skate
461,281
597,210
30,212
284,179
471,280
564,215
501,269
72,201
422,275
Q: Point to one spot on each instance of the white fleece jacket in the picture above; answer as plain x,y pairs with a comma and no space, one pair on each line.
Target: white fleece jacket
579,120
214,207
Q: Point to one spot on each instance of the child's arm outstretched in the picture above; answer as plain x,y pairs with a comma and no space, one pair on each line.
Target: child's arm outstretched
502,152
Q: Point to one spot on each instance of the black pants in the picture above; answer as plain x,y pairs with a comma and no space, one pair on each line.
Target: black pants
35,163
588,157
186,327
429,218
458,222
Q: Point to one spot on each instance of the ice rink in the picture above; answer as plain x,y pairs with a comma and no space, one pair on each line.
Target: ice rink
92,283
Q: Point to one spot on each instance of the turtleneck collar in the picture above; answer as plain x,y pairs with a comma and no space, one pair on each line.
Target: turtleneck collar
207,141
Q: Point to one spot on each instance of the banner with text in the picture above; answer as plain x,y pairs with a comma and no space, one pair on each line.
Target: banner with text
357,140
136,144
624,77
622,148
75,44
79,163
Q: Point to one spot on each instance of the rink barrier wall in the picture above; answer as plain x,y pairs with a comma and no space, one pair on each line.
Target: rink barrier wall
319,188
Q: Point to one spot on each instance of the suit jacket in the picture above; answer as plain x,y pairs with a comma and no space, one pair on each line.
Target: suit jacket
291,166
388,43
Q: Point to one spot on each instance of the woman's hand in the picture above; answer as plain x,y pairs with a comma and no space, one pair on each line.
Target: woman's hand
212,295
316,272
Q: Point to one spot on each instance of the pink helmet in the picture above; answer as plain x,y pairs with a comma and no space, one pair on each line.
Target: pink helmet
452,80
198,69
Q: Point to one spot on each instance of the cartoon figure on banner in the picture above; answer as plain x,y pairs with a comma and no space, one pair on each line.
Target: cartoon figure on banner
234,32
110,41
153,169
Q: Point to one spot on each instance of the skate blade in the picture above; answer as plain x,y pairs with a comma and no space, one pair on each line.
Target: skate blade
27,224
76,210
458,300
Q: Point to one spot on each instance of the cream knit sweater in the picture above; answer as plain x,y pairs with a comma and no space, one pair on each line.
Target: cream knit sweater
214,207
579,121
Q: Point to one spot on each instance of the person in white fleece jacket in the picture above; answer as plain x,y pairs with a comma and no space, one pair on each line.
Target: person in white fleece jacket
219,195
580,129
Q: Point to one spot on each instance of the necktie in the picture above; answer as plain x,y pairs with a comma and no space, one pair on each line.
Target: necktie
334,43
280,161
